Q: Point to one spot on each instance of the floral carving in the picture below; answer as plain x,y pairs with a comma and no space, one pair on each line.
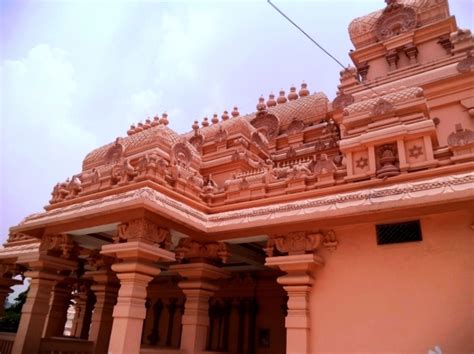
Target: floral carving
59,245
300,242
98,261
144,230
415,151
382,107
362,162
395,19
201,251
460,137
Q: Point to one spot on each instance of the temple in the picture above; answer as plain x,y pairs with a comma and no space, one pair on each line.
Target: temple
309,226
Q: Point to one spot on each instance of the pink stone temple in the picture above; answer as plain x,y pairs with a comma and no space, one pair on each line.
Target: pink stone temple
309,226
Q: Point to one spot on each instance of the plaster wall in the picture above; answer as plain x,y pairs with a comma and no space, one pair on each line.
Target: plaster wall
401,298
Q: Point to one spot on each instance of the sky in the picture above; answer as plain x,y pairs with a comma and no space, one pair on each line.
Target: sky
75,74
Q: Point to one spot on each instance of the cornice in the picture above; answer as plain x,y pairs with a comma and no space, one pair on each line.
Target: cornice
444,189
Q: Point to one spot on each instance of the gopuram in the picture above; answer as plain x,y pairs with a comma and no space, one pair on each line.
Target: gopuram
309,226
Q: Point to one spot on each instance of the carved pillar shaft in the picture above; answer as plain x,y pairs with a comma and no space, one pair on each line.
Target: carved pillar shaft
101,323
135,272
58,306
34,312
198,288
129,313
297,284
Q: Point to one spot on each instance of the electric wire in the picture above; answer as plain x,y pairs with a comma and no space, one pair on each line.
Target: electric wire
316,43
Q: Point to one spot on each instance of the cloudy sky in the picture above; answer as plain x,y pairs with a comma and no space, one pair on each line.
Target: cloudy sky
75,74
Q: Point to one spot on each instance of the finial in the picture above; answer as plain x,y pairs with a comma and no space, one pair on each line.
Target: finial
164,119
304,90
215,119
147,124
282,97
156,121
139,127
195,126
131,130
235,112
225,116
261,106
271,100
292,95
205,122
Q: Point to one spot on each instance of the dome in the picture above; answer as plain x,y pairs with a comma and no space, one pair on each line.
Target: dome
158,136
373,27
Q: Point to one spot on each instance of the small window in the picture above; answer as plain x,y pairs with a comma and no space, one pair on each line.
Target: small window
398,233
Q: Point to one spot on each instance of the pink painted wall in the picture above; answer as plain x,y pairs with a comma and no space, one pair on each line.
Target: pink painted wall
402,298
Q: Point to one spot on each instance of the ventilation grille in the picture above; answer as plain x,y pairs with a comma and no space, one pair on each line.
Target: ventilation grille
398,233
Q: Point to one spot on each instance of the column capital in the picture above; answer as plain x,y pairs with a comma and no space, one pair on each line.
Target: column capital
144,230
204,252
301,242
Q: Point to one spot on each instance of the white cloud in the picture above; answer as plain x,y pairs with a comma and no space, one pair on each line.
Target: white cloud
145,103
41,140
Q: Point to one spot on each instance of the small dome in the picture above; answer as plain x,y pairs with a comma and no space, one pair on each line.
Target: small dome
292,95
282,98
261,106
271,100
235,112
225,116
215,119
205,122
304,90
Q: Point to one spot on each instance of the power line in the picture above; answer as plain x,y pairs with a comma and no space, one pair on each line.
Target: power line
316,43
306,34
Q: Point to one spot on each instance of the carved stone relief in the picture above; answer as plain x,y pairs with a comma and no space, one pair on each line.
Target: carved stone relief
301,242
201,251
144,230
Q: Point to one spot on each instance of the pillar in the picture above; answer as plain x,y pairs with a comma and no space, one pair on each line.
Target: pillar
198,286
84,304
105,289
34,312
299,264
58,306
137,269
56,255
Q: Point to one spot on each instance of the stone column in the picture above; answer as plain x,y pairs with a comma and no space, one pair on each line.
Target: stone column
138,254
299,265
105,289
198,286
58,306
84,300
54,256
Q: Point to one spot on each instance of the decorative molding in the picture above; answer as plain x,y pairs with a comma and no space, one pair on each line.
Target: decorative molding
340,201
144,230
301,242
59,245
197,251
395,19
